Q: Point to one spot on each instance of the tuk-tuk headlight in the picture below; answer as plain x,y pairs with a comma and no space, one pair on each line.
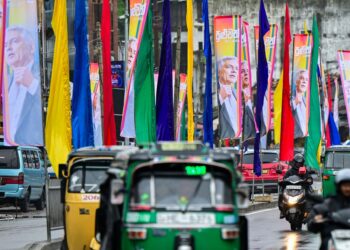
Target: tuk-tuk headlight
137,234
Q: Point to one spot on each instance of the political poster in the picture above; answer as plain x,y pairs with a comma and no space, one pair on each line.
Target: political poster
343,57
227,44
117,74
301,83
180,105
22,107
95,84
138,16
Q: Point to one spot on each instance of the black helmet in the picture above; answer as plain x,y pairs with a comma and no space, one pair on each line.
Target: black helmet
299,158
342,176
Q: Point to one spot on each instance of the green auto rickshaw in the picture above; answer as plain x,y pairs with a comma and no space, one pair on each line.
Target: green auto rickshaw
172,196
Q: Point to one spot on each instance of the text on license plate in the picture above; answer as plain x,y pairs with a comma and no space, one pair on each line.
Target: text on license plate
188,218
298,187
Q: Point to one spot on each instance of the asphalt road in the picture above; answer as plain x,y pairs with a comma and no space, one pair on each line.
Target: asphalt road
18,232
268,232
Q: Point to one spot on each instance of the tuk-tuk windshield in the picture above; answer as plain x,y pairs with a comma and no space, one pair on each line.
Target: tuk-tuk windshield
174,186
337,160
87,177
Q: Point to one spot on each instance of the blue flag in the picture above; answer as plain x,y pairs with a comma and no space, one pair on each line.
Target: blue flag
335,137
82,128
208,99
262,76
164,104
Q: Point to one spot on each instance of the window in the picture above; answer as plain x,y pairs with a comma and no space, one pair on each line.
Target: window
179,185
264,157
338,160
9,158
87,178
25,159
36,159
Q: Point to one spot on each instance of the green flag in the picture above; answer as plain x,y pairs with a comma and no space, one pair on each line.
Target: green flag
313,140
145,109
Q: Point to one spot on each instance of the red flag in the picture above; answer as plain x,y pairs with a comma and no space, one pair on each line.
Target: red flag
287,120
328,131
109,129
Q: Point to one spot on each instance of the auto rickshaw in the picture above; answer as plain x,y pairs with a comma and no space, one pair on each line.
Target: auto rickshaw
80,186
336,158
172,196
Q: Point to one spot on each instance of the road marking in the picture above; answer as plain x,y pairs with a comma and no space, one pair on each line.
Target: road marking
261,211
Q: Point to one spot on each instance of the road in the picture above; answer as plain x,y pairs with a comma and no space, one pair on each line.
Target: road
268,232
27,228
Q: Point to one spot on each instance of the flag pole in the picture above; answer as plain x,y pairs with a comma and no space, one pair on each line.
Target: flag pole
126,37
41,12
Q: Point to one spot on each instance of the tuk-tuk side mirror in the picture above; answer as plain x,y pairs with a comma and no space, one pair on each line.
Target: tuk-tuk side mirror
242,196
117,192
62,171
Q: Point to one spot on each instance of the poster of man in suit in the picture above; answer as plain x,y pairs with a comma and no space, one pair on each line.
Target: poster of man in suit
300,102
22,107
228,51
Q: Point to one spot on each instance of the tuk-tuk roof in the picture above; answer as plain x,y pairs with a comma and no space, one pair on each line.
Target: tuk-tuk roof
179,150
98,151
338,148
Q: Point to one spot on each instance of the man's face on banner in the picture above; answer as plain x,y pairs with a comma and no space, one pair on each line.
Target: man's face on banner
228,71
18,52
301,82
245,75
131,52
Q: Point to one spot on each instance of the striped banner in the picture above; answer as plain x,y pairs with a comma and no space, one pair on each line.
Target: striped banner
343,57
228,41
270,40
301,83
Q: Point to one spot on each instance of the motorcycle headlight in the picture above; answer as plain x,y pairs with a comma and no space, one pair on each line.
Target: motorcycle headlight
292,200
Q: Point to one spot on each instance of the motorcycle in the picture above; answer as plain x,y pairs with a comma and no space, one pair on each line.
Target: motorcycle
294,203
340,239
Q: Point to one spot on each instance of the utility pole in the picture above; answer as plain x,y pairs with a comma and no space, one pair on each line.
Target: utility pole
156,22
100,66
115,28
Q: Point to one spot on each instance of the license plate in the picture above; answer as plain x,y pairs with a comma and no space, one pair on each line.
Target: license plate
264,171
297,187
188,218
292,210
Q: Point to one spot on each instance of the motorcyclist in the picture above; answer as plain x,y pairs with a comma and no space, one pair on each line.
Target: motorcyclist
317,222
297,163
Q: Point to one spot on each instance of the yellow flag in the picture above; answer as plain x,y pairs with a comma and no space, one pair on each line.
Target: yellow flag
277,109
58,131
305,27
189,22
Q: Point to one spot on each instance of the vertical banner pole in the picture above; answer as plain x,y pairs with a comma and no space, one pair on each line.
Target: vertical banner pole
126,37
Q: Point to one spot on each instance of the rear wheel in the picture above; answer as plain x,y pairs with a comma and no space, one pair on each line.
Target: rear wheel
295,226
24,203
40,204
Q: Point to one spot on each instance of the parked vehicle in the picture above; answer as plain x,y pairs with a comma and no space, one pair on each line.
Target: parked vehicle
294,203
172,196
80,186
269,177
336,158
22,177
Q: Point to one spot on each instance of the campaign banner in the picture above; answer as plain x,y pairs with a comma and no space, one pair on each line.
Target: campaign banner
246,78
301,83
180,105
138,17
95,85
2,33
227,43
270,40
323,94
22,107
343,57
117,71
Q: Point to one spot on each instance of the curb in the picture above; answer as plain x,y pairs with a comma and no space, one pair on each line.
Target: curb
258,206
45,245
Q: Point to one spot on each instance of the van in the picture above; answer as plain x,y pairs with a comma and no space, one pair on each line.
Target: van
22,177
